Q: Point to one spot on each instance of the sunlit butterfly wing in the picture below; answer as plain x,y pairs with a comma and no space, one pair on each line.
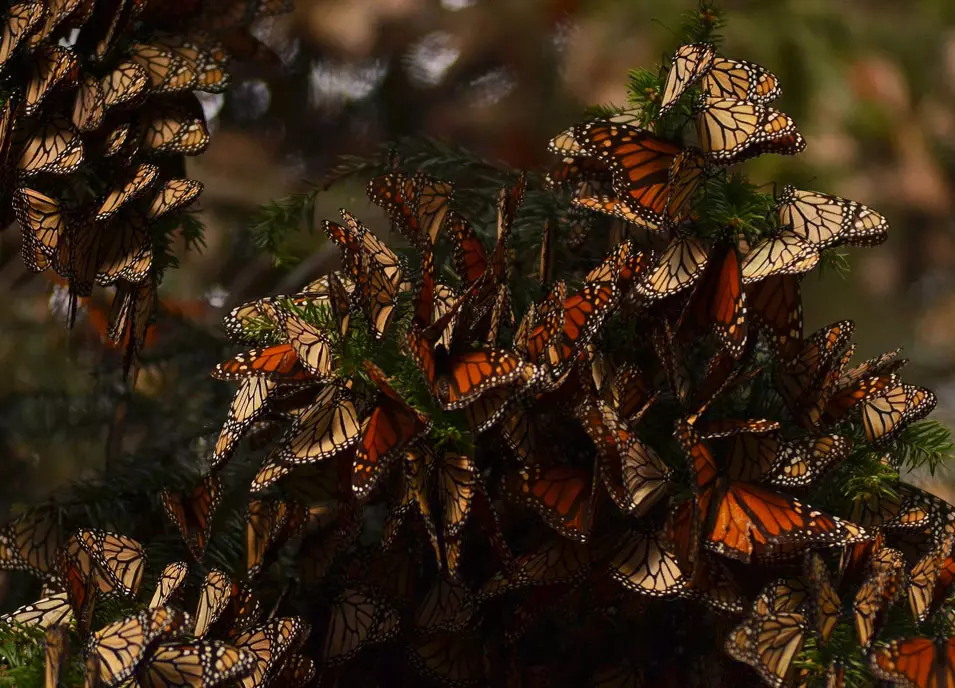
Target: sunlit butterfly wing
727,127
688,64
329,427
57,646
200,664
53,146
89,108
561,495
135,181
170,579
175,126
173,195
741,80
20,20
824,220
47,612
775,309
784,254
678,267
117,649
915,662
50,66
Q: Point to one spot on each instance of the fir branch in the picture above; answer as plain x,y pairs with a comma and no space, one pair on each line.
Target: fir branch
276,221
923,445
703,24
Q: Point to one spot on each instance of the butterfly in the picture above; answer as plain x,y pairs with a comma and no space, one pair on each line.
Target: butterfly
205,663
356,621
278,362
740,519
823,220
173,195
824,602
51,66
120,559
168,71
645,564
119,249
170,579
677,268
719,301
469,256
722,77
561,495
248,405
174,125
886,415
390,427
20,20
447,606
418,205
224,602
633,474
328,427
31,543
135,181
785,253
775,310
192,513
47,612
774,633
878,591
205,57
270,643
126,83
731,130
116,650
916,661
312,346
297,670
269,525
52,146
556,561
929,580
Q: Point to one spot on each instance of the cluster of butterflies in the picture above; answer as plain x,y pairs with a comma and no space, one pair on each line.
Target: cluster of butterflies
98,110
614,489
228,640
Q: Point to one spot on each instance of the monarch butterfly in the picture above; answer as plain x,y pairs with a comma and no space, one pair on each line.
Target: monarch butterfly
328,428
688,64
678,267
741,520
457,477
731,129
886,415
170,579
172,195
248,405
740,79
800,463
31,543
640,164
89,108
226,603
192,513
418,205
824,220
50,66
447,606
633,474
205,663
48,612
56,13
20,20
53,146
825,605
469,256
129,317
117,649
563,496
311,345
205,57
124,84
297,670
921,662
270,643
929,580
577,168
391,426
879,590
558,560
772,636
783,254
57,640
121,559
356,620
138,180
451,659
645,565
174,125
269,525
626,392
168,71
719,301
278,362
775,309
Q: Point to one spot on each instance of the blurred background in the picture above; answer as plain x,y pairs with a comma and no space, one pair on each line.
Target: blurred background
870,82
